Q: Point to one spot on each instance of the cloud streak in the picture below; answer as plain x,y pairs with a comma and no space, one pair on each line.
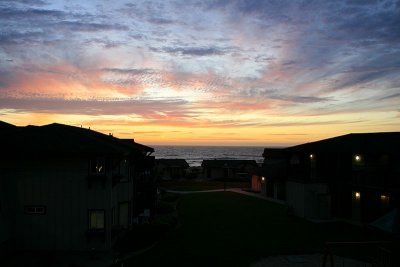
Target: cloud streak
94,107
210,64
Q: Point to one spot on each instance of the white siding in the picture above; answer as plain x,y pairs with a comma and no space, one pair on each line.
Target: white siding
310,201
295,197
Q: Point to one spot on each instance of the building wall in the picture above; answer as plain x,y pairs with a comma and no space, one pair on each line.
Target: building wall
295,197
308,200
4,214
61,186
122,194
213,173
228,173
170,172
256,183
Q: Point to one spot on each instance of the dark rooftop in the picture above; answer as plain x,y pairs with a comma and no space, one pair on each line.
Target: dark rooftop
231,163
355,142
173,162
56,139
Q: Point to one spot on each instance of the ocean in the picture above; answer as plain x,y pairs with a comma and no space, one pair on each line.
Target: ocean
194,155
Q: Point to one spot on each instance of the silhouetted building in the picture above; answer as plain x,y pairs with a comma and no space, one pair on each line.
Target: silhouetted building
274,167
69,188
354,177
228,169
167,169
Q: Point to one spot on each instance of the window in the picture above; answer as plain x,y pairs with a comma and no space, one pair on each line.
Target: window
96,219
294,160
123,214
385,203
97,166
40,210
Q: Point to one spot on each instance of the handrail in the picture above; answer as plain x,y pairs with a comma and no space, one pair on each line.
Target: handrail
328,246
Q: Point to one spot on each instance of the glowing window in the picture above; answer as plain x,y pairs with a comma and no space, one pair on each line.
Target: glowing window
384,197
96,219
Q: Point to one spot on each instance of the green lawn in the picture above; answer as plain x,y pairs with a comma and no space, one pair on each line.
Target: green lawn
228,229
193,185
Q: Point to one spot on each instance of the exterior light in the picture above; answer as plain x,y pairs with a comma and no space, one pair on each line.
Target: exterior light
263,178
357,195
384,197
357,158
311,156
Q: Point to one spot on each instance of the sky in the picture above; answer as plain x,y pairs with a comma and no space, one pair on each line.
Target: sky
245,72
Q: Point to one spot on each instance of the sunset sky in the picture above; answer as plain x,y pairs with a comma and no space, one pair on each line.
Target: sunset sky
246,72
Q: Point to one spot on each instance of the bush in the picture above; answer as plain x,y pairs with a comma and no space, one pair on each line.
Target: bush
168,221
140,237
191,175
169,197
164,208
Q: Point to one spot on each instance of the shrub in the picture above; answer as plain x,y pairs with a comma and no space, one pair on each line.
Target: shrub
191,175
168,221
164,208
169,197
140,237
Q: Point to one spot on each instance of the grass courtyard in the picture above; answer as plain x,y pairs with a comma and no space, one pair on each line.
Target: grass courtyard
198,185
229,229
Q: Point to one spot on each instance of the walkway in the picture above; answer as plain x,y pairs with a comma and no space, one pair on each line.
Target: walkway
311,260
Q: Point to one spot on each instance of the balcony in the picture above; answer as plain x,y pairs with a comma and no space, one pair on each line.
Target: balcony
96,178
96,235
118,178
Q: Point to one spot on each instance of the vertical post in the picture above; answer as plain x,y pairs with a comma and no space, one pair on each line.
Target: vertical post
326,255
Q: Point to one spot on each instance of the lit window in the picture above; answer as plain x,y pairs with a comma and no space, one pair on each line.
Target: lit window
96,219
41,210
384,198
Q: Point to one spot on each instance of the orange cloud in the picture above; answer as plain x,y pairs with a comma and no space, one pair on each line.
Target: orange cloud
65,81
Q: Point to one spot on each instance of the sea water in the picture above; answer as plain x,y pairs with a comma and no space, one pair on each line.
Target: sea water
194,155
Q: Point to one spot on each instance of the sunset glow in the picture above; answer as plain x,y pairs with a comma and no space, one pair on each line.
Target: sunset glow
267,73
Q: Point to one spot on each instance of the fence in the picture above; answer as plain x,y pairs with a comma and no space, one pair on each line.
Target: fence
360,254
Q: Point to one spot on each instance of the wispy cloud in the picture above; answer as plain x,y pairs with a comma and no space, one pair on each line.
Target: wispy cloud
95,107
191,51
275,94
228,64
90,27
